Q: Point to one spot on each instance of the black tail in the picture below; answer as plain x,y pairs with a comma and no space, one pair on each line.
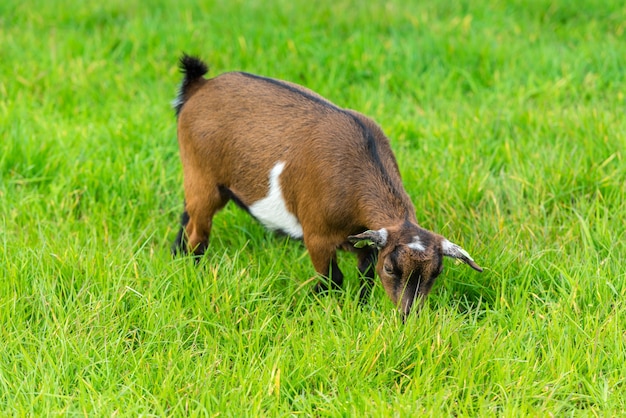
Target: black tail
193,68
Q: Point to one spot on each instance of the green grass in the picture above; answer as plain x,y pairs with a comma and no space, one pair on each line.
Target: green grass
507,118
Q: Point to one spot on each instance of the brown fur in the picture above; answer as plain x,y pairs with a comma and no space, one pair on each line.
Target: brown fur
340,177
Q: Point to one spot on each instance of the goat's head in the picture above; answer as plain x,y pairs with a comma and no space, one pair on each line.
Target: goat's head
409,260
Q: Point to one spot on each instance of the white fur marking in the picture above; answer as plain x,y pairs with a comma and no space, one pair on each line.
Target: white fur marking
272,212
383,236
416,244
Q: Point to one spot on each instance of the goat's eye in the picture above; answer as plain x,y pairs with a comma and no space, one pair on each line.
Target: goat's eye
388,269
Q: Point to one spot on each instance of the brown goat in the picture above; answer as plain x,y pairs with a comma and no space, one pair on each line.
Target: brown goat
303,166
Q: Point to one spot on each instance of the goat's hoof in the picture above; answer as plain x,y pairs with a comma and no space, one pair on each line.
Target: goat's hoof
325,286
320,288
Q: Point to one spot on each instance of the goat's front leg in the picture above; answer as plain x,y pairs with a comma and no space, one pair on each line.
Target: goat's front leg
367,261
324,257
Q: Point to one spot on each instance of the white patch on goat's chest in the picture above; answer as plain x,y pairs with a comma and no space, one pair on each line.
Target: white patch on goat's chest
272,211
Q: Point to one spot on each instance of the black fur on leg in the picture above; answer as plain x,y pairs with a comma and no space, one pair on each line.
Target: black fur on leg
334,282
180,243
367,261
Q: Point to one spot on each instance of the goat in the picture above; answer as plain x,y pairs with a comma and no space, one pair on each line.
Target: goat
306,167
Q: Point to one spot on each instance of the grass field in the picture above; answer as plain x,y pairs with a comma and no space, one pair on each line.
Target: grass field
507,119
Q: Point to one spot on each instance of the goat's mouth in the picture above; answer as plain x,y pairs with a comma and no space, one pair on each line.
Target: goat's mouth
409,295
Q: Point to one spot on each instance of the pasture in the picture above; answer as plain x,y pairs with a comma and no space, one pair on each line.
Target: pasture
507,120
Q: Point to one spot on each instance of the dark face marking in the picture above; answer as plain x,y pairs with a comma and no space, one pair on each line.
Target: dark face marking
407,276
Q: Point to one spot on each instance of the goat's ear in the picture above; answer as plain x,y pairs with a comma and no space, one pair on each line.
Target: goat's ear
370,238
450,249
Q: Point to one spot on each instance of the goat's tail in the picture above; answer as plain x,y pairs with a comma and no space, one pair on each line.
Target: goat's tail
193,69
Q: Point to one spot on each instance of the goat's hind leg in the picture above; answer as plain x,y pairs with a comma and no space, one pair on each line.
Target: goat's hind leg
202,201
179,247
